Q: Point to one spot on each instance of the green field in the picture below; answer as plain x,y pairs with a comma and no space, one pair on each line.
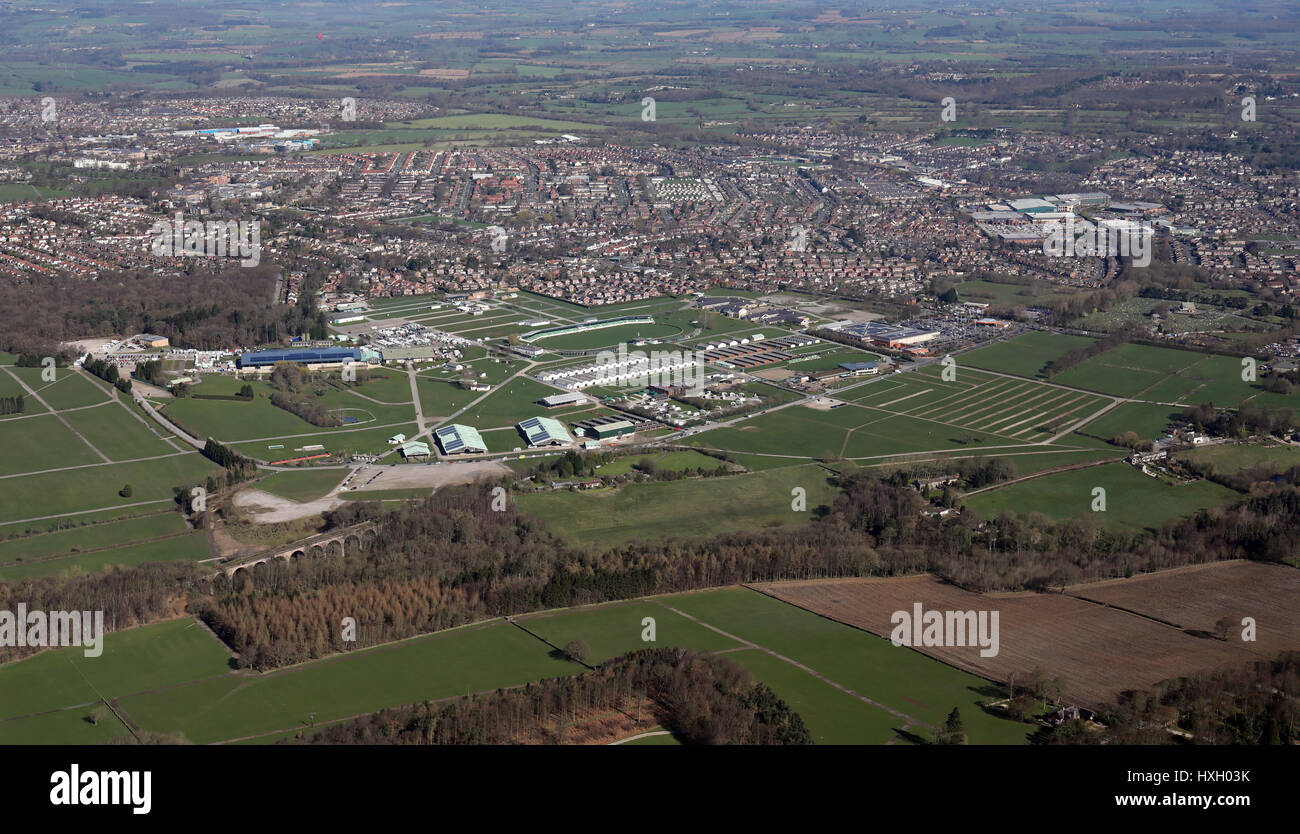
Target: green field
616,629
1168,375
438,666
78,539
1025,355
608,337
302,484
676,461
95,488
1233,457
191,546
507,405
694,507
1149,421
897,677
42,442
1134,501
149,657
1011,295
118,436
905,414
173,677
68,390
237,421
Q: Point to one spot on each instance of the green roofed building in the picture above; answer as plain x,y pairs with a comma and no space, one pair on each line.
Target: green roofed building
459,439
605,431
545,431
414,449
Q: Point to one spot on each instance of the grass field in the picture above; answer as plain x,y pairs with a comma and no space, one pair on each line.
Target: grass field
696,507
1232,457
911,413
1025,355
42,442
96,487
119,437
896,677
233,421
173,677
1173,376
191,546
303,484
439,666
1149,421
78,539
507,405
608,337
676,461
164,654
1133,500
68,390
616,629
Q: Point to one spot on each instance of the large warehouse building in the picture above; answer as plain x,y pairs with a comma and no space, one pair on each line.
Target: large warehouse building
545,431
458,439
884,335
311,357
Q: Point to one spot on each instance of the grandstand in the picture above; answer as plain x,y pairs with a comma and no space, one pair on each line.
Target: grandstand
311,357
459,439
544,431
534,335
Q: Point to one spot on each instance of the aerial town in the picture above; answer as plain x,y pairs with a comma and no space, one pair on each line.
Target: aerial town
591,374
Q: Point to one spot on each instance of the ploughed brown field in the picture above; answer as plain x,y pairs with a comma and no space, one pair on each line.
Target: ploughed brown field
1103,637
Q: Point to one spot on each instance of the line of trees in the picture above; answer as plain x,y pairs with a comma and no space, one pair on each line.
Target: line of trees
313,412
12,405
234,463
108,372
1077,356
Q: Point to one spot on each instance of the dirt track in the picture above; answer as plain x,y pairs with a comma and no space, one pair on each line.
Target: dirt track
265,508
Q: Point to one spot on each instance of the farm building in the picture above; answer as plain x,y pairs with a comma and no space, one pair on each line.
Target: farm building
459,439
557,400
604,431
414,449
544,431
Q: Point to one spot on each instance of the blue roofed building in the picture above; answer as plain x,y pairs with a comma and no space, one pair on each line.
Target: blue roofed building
306,356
